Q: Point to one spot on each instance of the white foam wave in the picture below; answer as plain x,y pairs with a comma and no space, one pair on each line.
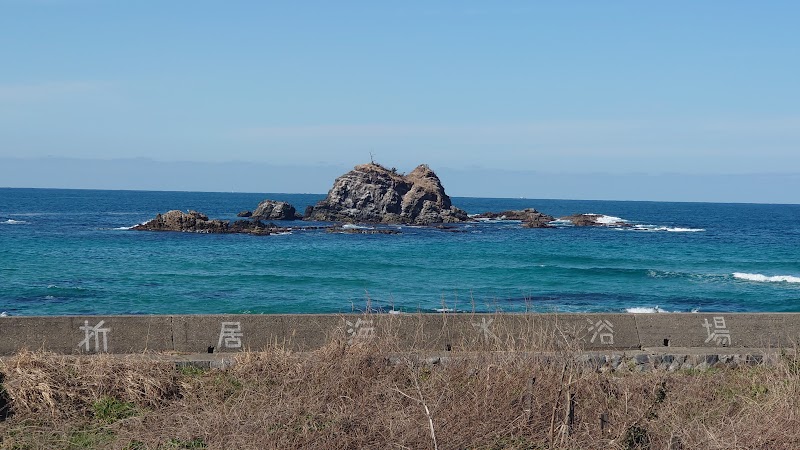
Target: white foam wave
282,233
645,310
501,219
757,277
684,230
656,228
609,220
4,314
123,228
14,222
350,226
49,297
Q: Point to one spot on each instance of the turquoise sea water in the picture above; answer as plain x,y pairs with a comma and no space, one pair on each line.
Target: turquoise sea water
69,252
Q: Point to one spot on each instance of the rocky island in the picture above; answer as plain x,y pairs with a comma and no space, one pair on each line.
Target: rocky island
369,194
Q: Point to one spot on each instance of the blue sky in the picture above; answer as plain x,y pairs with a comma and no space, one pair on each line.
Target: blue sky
586,90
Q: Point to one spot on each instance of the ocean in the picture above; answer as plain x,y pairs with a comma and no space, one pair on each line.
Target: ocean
69,252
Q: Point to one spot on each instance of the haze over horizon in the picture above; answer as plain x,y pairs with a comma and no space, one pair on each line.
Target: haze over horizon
684,101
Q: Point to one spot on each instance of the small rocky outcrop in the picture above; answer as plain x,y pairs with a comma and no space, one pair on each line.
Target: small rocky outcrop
593,220
275,210
191,221
244,214
371,193
196,222
253,227
529,217
583,220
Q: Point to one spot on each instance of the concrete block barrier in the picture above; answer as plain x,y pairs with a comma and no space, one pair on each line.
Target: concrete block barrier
435,332
712,330
232,333
92,334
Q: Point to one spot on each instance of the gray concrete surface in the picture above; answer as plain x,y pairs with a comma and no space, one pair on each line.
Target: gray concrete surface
203,334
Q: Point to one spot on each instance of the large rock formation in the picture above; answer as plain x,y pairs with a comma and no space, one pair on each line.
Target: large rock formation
371,193
529,217
274,210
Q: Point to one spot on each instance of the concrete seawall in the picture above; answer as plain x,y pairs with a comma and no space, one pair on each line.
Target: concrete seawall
434,332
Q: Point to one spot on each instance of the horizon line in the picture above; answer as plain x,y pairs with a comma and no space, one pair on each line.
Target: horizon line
451,196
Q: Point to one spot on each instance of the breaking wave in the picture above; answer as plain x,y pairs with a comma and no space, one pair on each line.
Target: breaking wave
14,222
501,219
609,220
757,277
645,310
668,229
657,309
350,226
447,310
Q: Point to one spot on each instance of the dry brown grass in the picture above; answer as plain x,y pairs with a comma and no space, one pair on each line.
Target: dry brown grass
343,397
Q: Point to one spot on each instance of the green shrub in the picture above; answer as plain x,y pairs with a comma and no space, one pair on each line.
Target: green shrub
109,409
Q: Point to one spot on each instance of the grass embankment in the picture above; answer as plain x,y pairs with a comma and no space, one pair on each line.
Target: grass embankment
356,397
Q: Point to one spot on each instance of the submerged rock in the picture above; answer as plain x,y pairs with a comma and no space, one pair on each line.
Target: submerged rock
275,210
371,193
529,217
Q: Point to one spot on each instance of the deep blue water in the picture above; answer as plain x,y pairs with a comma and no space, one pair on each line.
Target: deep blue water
65,252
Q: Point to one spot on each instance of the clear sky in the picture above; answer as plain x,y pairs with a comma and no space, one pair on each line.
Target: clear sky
599,91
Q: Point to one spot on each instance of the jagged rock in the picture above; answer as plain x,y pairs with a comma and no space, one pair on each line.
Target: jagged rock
191,221
537,220
245,226
530,217
274,210
244,214
371,193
